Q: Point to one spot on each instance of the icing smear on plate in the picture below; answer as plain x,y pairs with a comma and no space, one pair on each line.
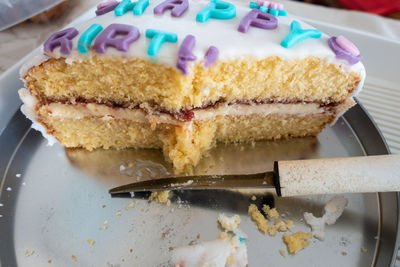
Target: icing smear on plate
333,210
228,250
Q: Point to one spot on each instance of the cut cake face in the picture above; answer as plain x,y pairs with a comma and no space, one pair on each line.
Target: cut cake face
182,75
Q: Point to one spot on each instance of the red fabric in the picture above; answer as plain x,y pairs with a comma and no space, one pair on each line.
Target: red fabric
380,7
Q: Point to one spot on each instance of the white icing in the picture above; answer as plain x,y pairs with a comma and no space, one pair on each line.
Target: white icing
213,253
34,61
333,210
28,109
230,223
222,252
223,34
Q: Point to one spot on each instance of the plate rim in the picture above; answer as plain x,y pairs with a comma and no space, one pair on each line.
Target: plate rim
18,127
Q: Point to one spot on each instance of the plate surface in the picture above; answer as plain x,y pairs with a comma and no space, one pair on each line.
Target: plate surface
53,200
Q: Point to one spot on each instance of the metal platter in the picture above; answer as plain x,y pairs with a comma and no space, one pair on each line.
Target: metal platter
54,199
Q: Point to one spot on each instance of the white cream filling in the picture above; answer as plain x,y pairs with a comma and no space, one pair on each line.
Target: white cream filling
79,111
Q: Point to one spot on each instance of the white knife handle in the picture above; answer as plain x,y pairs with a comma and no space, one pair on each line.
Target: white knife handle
339,175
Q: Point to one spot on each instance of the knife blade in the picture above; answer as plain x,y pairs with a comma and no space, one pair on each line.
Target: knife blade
295,177
265,180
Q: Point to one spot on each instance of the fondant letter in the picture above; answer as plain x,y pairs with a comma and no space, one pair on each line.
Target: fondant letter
258,18
126,5
108,37
178,7
62,38
297,34
87,37
185,53
157,39
216,9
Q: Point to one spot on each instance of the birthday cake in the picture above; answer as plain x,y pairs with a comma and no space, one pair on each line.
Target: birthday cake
181,75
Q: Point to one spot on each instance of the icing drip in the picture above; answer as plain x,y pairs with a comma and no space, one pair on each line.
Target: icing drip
298,34
178,7
216,9
257,18
108,37
211,56
185,53
62,38
157,39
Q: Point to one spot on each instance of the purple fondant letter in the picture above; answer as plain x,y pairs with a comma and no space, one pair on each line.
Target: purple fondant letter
62,38
258,18
178,7
109,37
211,56
106,7
185,53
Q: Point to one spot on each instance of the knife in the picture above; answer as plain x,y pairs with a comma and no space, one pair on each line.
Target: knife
294,178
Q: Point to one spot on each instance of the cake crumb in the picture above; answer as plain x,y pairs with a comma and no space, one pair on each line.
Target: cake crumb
363,250
296,242
90,241
105,225
131,250
198,236
229,223
170,248
272,231
282,252
49,261
73,257
29,252
253,197
161,197
118,213
289,224
271,213
258,219
130,206
344,253
282,226
103,206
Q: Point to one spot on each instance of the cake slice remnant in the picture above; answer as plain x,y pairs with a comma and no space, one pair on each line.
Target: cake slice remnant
103,83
